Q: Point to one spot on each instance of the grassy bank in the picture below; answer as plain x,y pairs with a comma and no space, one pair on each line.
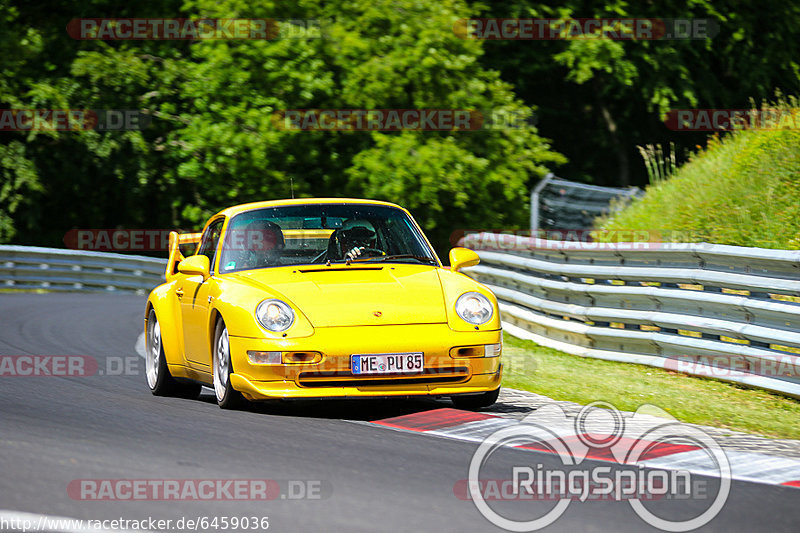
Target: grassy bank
743,189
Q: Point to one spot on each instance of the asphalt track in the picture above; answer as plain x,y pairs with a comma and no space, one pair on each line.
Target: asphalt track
54,430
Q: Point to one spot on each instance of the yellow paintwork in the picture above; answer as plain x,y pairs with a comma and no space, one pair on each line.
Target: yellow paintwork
335,315
307,233
175,255
195,265
463,258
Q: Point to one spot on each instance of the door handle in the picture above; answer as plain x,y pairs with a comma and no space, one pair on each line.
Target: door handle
179,292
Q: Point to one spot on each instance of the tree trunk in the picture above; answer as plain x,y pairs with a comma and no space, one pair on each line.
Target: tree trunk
623,176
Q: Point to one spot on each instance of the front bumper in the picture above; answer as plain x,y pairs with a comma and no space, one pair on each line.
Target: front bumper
444,374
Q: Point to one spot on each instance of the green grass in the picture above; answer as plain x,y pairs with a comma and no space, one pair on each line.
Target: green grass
37,291
562,376
743,189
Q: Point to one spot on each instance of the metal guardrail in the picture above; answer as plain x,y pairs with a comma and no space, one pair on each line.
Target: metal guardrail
55,269
686,307
718,311
559,203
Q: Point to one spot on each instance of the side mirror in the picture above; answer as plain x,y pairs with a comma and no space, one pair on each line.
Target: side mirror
195,265
461,258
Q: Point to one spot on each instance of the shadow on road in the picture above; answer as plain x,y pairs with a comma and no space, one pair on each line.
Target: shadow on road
338,409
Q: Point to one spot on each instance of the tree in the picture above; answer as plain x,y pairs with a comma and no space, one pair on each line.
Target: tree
599,98
213,140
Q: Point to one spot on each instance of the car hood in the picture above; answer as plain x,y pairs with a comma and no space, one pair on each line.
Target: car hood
356,295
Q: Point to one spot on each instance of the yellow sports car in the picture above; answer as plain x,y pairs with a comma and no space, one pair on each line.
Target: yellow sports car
313,298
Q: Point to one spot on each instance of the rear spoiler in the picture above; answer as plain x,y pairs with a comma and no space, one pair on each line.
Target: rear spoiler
175,255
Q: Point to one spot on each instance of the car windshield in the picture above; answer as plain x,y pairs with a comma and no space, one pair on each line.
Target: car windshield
322,233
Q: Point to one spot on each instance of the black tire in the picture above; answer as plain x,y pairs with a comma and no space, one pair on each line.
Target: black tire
222,368
476,401
157,375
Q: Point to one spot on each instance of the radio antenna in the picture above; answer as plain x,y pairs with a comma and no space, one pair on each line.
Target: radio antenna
291,184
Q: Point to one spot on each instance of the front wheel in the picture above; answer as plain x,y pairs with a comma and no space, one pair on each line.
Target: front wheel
476,401
227,396
159,379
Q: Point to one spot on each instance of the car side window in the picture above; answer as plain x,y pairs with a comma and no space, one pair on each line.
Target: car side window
210,241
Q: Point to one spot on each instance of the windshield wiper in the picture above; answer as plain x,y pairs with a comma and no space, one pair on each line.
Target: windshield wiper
420,258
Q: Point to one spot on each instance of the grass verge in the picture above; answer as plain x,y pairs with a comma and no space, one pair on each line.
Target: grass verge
36,291
566,377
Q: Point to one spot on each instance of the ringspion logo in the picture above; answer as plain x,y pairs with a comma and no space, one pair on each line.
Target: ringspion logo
599,430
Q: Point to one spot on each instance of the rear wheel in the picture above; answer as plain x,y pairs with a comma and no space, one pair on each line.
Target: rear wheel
159,379
476,401
227,396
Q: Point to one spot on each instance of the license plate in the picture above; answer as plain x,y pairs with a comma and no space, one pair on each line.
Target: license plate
387,363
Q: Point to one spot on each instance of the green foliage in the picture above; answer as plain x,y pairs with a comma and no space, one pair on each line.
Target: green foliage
19,179
213,142
18,174
743,190
600,98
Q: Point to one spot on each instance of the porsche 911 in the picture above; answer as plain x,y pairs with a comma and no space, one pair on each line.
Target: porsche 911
320,298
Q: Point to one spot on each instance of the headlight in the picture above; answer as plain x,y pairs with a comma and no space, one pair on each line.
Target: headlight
474,307
275,315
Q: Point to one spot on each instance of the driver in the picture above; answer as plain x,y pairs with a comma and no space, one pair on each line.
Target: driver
354,238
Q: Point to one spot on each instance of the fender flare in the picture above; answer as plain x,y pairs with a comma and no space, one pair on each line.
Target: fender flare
171,338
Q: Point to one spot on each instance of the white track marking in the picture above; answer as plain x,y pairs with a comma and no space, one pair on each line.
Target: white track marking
139,347
745,466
